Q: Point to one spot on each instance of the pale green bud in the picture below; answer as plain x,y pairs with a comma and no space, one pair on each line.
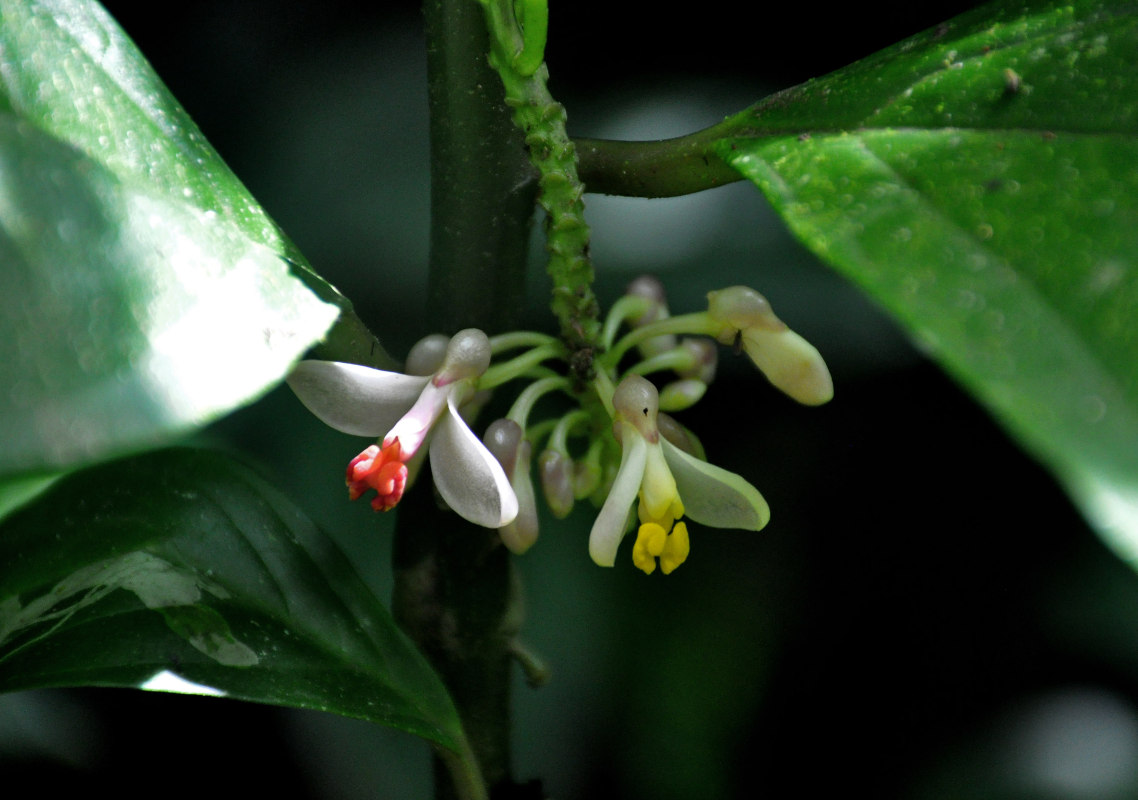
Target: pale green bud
681,394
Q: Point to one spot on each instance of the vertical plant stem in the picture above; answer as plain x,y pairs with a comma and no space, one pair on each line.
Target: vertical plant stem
483,187
454,596
454,590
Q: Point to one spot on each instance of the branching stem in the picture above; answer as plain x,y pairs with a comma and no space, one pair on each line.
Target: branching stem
663,168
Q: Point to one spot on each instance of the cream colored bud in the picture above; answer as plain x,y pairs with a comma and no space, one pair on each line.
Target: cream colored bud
636,402
740,308
520,534
791,364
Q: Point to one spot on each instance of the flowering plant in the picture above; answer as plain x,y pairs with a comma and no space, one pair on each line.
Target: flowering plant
976,181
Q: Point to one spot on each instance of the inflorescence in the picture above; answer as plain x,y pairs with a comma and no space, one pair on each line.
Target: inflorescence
617,446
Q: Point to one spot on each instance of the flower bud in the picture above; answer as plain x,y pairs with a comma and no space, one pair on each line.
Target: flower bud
740,308
503,437
680,436
789,362
555,469
651,290
505,440
636,402
426,356
681,394
467,356
705,358
588,472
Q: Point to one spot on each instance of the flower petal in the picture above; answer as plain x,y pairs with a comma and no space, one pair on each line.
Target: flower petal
467,475
712,495
610,524
355,399
658,492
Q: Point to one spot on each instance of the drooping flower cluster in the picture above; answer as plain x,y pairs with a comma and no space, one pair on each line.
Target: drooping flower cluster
615,446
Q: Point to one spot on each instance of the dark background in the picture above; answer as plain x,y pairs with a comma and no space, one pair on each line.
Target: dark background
925,617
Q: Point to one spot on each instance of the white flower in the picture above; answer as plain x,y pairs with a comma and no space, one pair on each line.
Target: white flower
410,412
669,483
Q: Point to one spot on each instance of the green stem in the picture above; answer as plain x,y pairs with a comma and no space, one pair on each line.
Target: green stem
456,597
626,307
696,323
515,339
350,340
482,187
679,359
604,387
664,168
455,592
552,154
520,410
463,772
559,437
520,365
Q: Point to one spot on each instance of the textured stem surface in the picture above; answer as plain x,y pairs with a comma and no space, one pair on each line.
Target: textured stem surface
454,591
553,155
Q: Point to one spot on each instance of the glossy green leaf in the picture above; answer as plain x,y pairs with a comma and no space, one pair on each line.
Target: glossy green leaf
143,291
182,571
981,181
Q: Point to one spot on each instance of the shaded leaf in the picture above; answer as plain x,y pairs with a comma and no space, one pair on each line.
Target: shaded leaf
981,182
21,489
181,570
144,292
